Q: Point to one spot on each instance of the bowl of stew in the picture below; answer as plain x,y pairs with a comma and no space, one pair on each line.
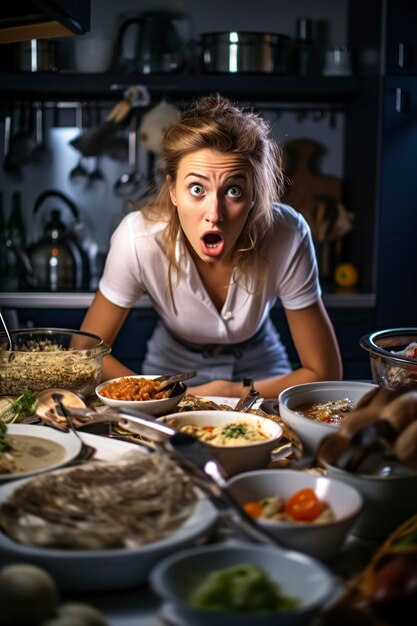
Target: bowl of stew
239,441
140,392
314,410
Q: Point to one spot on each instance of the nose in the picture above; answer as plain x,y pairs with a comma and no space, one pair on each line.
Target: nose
215,211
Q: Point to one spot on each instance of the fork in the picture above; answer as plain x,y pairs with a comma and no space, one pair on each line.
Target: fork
86,451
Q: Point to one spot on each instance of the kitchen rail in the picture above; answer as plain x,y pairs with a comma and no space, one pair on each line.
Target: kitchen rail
81,300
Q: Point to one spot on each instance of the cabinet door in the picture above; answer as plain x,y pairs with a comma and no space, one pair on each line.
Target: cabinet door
130,345
401,38
397,227
350,325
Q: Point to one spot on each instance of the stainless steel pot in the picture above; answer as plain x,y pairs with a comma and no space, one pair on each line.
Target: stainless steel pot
240,52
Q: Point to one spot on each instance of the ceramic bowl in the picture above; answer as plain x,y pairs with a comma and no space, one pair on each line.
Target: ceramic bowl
321,540
44,358
233,458
390,366
299,576
151,407
311,431
388,501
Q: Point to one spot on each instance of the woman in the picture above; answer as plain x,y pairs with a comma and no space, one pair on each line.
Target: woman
213,251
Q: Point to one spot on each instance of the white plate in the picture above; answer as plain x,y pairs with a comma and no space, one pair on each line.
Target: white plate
151,407
68,441
102,570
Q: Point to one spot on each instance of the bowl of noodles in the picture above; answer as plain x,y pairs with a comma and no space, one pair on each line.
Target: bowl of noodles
238,441
141,393
127,511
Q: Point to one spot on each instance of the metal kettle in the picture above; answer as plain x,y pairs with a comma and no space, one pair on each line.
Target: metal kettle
151,43
56,262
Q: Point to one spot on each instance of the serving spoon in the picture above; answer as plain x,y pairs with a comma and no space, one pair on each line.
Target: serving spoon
9,338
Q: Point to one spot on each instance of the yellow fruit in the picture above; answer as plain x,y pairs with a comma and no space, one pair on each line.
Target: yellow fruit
346,275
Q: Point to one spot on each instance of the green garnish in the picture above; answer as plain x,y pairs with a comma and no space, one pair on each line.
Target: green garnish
243,588
24,406
234,431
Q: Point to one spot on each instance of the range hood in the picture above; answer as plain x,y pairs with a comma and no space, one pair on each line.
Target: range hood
21,20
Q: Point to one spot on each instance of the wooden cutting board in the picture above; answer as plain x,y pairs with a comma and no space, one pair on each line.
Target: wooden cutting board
308,188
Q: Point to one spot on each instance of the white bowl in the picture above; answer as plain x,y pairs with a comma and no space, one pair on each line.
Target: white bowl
233,459
310,431
388,501
112,569
151,407
321,540
299,576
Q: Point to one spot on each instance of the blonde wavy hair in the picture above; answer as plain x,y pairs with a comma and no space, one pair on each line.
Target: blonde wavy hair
216,122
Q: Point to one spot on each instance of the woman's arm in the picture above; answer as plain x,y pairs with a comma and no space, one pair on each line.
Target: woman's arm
316,345
105,319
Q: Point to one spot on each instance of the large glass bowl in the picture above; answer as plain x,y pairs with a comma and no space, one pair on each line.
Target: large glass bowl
43,358
390,367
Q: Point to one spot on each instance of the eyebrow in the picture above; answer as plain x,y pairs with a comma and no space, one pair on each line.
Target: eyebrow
232,176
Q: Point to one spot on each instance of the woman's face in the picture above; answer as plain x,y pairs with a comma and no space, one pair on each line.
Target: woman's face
213,194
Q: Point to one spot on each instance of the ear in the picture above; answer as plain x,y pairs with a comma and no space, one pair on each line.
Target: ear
172,193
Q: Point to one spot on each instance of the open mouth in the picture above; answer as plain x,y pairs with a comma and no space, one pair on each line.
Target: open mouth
212,240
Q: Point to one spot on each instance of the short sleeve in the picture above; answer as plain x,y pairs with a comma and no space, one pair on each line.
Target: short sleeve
121,280
299,286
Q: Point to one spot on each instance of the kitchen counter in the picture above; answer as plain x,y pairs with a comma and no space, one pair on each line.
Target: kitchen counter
82,300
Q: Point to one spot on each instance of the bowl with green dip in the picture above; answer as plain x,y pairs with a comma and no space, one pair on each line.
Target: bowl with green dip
241,584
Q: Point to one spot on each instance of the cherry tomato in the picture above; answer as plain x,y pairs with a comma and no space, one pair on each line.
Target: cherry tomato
304,506
254,509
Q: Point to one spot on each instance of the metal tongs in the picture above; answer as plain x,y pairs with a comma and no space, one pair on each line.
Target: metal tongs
198,463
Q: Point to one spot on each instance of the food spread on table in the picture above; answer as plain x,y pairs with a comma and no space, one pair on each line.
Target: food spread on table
106,506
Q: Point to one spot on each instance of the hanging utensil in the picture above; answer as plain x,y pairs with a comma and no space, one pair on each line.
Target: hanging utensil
39,152
10,166
131,184
79,175
23,142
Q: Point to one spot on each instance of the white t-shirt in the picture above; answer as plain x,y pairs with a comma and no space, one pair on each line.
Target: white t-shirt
136,264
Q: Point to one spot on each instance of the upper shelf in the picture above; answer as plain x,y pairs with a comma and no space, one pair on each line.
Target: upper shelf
74,86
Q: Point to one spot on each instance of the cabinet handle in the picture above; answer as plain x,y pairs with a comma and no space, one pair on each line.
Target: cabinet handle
398,100
401,55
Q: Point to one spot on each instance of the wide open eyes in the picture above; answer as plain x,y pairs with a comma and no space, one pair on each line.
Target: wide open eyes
196,190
